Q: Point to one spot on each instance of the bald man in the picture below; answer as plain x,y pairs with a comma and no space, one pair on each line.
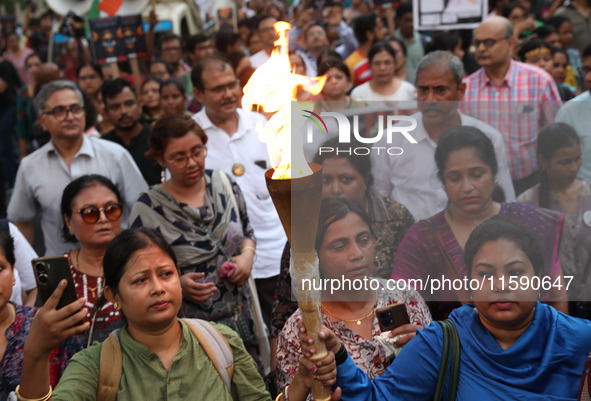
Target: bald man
518,99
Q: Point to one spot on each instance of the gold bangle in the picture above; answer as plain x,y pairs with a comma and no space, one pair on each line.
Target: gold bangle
248,247
46,397
279,397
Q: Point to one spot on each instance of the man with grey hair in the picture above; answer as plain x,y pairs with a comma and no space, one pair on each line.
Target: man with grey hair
43,175
516,98
411,178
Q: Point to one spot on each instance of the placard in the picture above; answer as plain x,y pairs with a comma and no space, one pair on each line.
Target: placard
107,40
448,14
134,38
225,19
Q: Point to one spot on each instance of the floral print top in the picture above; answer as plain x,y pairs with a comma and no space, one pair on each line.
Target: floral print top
12,361
368,355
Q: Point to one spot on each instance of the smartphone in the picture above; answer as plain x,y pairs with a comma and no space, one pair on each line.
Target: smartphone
392,316
49,271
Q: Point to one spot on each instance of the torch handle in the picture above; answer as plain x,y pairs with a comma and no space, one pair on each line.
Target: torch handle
313,323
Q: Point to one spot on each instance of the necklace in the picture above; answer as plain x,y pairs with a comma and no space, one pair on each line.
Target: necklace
357,320
95,291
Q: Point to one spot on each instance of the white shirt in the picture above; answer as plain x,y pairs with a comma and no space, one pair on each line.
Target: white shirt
244,147
363,93
411,178
43,175
23,272
577,113
258,59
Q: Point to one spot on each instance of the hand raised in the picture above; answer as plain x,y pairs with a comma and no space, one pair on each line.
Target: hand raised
52,326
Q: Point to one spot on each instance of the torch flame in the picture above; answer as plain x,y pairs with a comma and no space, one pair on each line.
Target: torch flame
273,87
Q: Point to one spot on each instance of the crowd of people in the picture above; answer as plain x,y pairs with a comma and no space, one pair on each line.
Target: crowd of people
153,188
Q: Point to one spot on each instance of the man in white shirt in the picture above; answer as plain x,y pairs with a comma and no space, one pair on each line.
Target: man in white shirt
234,147
411,178
43,175
24,289
267,36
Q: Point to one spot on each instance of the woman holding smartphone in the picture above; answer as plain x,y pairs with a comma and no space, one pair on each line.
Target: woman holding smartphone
15,324
345,247
513,347
160,356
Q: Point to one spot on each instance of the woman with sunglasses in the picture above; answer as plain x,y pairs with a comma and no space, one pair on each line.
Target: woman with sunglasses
160,356
91,207
202,214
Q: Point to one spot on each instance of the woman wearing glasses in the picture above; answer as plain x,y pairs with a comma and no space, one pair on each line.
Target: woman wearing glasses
91,207
202,214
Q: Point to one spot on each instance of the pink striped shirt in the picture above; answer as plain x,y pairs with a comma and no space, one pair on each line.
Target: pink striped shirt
526,100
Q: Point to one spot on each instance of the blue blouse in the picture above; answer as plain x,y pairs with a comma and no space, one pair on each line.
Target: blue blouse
545,363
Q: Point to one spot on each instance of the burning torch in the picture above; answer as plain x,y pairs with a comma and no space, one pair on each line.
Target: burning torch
295,186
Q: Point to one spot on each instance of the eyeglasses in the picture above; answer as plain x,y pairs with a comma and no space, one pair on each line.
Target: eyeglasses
218,90
92,214
87,77
181,161
488,42
583,70
60,112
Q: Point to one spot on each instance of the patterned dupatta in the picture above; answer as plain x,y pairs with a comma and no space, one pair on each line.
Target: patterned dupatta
189,229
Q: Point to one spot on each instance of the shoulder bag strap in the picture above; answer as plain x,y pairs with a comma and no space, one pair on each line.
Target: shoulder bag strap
444,361
110,368
455,360
451,267
216,347
4,226
450,339
228,185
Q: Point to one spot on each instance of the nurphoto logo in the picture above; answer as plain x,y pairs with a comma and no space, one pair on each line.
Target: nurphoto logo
387,126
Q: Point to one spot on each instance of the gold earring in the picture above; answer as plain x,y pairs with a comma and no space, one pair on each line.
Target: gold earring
116,305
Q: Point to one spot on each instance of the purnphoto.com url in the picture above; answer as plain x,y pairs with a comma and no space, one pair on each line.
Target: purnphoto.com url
436,284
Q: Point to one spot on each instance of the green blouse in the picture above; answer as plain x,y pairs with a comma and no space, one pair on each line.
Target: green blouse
191,376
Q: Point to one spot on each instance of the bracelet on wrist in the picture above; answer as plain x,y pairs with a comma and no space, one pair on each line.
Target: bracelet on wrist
21,398
248,247
283,395
341,356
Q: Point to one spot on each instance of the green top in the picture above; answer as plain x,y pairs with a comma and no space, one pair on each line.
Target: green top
191,376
